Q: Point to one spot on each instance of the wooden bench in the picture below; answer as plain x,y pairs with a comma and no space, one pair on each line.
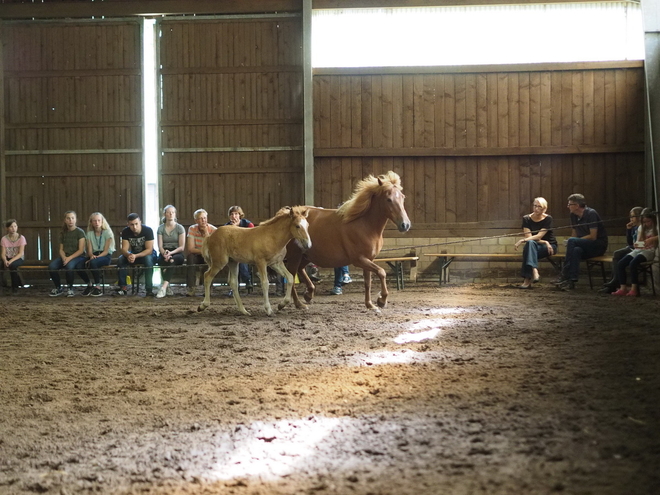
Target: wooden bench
396,264
447,259
645,268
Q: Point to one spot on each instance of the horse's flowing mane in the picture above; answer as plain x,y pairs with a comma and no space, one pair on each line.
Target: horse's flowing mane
360,201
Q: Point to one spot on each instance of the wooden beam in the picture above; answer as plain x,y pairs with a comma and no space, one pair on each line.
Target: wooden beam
127,8
491,151
478,69
376,4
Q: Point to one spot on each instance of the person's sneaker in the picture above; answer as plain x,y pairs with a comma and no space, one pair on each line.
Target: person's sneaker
607,289
96,292
346,279
122,291
70,293
337,291
191,292
57,291
567,285
169,292
162,292
88,290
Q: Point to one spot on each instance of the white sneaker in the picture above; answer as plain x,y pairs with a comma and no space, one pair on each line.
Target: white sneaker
170,292
58,291
70,293
161,292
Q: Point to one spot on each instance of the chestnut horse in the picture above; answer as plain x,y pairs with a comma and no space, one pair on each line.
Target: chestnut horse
353,234
262,246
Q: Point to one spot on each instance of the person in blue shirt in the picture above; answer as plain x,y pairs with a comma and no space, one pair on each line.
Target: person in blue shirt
588,239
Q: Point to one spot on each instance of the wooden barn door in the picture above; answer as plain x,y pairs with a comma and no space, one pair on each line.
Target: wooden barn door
72,125
231,114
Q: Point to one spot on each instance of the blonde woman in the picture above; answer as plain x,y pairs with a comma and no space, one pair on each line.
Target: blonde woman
171,244
100,246
196,234
539,241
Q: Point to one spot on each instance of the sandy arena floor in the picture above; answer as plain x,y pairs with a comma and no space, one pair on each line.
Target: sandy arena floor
474,389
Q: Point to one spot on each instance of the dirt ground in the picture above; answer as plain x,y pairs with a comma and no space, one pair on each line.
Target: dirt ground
468,389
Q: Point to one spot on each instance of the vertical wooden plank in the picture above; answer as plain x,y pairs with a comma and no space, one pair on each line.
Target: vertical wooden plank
578,108
588,127
482,112
503,109
377,110
610,110
439,116
450,112
387,111
524,109
460,139
491,98
408,112
471,110
397,111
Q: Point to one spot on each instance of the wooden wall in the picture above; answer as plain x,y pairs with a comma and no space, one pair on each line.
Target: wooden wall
231,115
476,145
73,125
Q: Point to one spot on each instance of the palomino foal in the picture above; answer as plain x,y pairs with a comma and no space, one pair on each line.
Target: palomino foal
262,246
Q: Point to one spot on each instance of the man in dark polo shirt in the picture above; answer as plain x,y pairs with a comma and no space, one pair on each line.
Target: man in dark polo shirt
588,239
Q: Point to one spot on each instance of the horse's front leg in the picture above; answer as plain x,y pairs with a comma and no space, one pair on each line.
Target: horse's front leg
263,275
280,269
367,289
209,275
292,266
369,266
310,287
233,283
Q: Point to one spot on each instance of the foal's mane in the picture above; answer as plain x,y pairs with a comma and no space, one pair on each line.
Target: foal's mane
283,212
360,201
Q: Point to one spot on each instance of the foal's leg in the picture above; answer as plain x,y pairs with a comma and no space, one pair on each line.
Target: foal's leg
280,268
263,275
233,283
209,275
292,264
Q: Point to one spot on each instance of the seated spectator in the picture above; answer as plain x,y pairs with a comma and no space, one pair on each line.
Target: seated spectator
71,256
12,254
645,246
631,237
171,244
588,239
237,218
341,278
137,248
539,241
100,246
196,235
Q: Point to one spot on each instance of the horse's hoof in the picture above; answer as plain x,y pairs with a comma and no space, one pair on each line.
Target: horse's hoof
281,306
201,308
308,297
381,302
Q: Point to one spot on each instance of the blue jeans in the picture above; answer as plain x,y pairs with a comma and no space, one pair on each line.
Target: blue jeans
532,253
13,270
95,267
578,249
339,275
147,261
75,264
634,268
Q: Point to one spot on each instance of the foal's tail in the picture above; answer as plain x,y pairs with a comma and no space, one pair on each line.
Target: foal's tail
205,251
